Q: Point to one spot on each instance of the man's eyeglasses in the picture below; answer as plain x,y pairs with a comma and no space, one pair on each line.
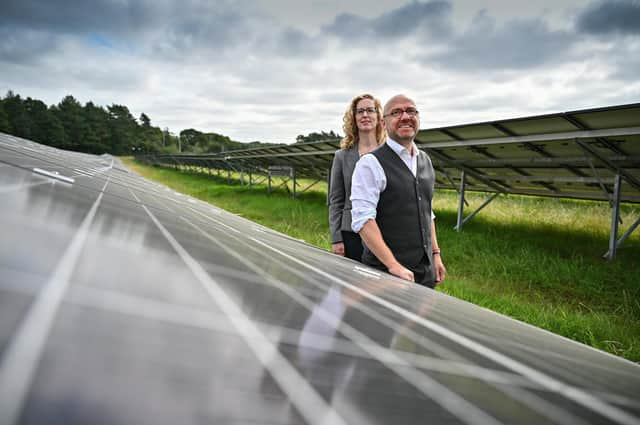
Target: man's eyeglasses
370,111
397,113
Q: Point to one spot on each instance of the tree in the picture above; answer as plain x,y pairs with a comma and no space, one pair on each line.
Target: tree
316,137
124,127
71,115
188,139
19,120
4,119
98,133
94,129
145,120
40,118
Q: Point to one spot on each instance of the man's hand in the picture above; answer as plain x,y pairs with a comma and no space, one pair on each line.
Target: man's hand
402,272
338,248
441,271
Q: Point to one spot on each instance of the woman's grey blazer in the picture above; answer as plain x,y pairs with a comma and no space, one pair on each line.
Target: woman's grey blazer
344,161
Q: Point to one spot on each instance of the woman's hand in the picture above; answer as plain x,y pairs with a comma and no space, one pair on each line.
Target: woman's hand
338,248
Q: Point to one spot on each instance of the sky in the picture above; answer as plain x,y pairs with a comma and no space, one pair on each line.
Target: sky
269,70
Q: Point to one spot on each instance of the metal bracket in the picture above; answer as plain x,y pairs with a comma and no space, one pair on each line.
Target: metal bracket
460,221
632,180
310,186
602,186
453,184
623,237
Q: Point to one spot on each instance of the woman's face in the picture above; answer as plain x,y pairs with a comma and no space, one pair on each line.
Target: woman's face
366,115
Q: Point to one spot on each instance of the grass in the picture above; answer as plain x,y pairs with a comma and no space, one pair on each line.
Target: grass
302,218
535,259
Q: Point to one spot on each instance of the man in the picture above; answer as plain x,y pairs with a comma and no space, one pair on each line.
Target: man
391,194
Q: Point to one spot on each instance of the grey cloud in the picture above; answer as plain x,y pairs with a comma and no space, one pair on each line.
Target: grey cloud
341,97
191,35
76,16
288,43
461,99
432,18
516,45
349,26
26,47
168,29
628,69
255,99
292,42
605,17
98,79
185,30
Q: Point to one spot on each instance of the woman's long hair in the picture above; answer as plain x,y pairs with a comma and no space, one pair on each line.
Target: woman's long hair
350,126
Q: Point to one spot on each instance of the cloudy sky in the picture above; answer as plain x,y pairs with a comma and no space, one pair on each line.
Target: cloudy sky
269,70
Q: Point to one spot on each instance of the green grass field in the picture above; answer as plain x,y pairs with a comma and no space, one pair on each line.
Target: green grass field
534,259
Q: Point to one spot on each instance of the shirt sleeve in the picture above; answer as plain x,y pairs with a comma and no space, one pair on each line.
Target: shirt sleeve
367,182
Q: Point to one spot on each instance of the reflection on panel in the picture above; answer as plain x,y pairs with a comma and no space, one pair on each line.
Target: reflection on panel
124,302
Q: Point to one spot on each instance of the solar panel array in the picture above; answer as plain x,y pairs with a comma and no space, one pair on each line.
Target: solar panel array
572,154
591,154
124,302
308,160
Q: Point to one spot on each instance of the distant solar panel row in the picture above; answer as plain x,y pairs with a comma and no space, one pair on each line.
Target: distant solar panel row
590,154
123,302
572,154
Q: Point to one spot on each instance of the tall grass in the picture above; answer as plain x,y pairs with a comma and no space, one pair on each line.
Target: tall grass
538,260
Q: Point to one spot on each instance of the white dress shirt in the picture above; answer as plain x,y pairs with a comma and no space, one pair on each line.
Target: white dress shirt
369,180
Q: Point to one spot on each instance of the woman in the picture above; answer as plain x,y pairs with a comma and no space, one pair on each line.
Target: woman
364,131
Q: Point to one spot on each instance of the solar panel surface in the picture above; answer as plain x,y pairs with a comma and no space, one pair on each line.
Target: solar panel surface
123,302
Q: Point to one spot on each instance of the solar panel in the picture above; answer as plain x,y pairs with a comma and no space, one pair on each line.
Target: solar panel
122,301
591,154
572,154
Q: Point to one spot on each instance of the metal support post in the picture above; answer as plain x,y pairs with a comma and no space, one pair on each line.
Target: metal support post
463,182
328,185
461,221
293,176
615,216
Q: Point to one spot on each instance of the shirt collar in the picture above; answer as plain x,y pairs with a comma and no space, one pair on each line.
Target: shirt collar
398,148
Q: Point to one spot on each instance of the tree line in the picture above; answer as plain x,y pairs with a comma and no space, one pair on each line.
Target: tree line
94,129
317,136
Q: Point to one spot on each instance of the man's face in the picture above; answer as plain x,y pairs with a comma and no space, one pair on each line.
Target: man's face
403,127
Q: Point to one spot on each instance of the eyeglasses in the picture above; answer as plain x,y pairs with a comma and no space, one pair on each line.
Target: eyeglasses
397,113
370,111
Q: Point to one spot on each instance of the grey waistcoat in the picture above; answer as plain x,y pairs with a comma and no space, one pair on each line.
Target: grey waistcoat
404,209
